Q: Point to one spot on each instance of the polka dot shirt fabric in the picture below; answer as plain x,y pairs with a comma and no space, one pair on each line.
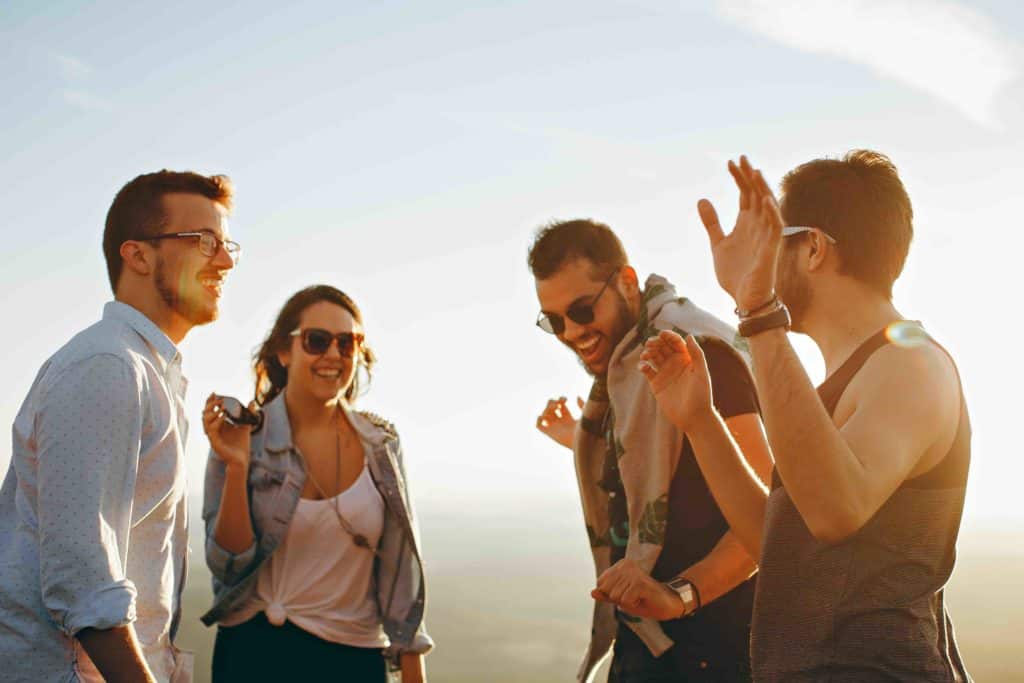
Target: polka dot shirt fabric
93,522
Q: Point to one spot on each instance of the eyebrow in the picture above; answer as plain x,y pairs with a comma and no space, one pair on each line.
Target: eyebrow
572,303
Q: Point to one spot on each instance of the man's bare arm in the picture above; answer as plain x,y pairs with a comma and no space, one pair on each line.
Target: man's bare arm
116,654
838,477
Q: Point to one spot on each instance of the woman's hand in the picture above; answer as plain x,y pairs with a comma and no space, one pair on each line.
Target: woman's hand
412,668
557,422
229,442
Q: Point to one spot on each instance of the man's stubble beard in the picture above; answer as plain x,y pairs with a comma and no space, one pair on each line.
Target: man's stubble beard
793,289
194,314
624,320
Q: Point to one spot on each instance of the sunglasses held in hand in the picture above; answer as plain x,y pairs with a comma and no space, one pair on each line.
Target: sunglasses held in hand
235,413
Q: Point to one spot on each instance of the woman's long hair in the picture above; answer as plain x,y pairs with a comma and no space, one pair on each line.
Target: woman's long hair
271,376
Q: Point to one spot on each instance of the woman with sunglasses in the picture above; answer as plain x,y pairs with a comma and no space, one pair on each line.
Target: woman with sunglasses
309,530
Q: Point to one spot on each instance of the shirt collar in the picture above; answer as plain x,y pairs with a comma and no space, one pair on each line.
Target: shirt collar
147,329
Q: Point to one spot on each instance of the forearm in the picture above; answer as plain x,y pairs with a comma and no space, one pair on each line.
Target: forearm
116,654
412,667
725,567
820,472
233,529
740,494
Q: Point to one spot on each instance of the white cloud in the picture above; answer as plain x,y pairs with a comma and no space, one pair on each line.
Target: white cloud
83,99
72,67
946,49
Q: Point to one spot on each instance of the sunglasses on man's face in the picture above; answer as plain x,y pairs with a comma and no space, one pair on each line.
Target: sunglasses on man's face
316,341
579,313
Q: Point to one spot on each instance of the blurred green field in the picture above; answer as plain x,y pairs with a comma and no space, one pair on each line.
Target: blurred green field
509,602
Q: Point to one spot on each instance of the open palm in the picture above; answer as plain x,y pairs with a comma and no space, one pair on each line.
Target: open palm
678,374
746,259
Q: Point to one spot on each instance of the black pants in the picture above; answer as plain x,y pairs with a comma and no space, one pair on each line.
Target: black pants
259,651
633,663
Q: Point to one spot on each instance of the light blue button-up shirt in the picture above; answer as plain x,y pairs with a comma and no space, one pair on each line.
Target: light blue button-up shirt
93,523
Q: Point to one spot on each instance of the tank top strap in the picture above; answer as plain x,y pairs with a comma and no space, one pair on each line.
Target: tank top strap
831,390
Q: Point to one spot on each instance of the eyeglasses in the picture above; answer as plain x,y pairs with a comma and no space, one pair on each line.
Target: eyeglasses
316,342
581,314
791,230
209,243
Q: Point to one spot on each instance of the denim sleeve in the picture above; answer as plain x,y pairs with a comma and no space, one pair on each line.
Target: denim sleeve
88,428
421,643
226,566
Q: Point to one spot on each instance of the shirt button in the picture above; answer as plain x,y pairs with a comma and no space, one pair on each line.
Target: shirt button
612,494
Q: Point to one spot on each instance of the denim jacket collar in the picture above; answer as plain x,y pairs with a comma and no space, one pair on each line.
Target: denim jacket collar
278,431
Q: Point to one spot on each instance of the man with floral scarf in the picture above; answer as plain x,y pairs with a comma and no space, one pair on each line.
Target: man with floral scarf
647,509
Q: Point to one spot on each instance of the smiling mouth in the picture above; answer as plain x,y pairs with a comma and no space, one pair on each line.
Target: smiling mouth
213,285
328,373
586,349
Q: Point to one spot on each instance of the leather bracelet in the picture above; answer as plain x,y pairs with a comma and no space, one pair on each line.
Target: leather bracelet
757,309
762,323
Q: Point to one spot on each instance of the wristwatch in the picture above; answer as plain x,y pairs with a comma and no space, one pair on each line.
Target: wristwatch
687,593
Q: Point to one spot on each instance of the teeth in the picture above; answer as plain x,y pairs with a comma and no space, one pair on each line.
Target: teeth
588,346
330,374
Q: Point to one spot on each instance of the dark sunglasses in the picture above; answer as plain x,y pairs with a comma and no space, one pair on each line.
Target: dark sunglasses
236,413
581,314
316,341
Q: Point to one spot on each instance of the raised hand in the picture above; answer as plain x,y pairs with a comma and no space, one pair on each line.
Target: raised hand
229,442
629,587
678,374
747,258
557,422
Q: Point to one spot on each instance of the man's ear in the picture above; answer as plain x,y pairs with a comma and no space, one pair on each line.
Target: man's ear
629,280
136,257
819,248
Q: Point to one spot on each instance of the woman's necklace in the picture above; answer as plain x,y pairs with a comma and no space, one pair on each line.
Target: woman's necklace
357,538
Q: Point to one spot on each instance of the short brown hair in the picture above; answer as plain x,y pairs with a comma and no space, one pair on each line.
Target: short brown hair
861,202
560,242
138,211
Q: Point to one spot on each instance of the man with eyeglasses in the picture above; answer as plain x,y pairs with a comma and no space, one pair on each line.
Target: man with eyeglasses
856,536
93,519
647,509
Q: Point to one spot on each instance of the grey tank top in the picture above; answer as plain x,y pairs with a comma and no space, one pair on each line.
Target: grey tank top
870,608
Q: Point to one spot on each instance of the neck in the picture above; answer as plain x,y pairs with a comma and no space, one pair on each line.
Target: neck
838,326
169,322
308,412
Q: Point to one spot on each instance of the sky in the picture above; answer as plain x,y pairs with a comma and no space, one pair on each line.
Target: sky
407,152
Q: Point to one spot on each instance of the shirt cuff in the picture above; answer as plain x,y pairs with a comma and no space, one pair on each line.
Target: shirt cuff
225,565
105,608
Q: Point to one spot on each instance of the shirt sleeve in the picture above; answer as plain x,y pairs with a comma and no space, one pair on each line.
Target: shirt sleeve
732,387
88,430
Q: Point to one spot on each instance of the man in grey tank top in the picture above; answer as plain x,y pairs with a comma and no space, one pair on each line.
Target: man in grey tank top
856,535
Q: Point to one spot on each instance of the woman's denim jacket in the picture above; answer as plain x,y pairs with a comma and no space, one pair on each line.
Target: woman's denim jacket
276,477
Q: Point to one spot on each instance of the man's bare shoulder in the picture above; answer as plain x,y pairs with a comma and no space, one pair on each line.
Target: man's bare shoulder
915,386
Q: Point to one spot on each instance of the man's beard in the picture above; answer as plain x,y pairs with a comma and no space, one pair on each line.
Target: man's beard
793,289
624,320
192,311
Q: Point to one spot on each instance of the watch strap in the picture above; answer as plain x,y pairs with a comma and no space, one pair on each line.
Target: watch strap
687,592
768,321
